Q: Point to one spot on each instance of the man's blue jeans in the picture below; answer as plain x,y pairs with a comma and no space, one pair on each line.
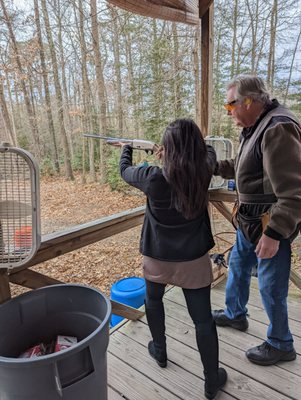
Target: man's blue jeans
273,279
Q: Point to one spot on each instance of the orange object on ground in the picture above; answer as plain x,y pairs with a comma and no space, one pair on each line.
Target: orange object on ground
23,236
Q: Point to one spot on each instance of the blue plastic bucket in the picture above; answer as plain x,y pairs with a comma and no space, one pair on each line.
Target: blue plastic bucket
129,291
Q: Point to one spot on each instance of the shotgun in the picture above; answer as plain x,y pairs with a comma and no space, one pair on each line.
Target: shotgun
139,144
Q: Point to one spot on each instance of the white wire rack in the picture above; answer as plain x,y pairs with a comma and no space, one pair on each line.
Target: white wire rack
19,207
224,150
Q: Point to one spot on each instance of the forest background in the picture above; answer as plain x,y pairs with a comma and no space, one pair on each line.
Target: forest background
73,66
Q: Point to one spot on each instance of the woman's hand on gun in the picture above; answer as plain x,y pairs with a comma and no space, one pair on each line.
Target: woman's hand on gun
159,151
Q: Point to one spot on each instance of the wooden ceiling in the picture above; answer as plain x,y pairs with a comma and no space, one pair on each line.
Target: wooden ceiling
186,11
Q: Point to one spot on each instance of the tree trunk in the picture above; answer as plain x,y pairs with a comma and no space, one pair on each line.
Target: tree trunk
235,16
254,28
196,68
46,88
64,81
291,67
271,62
176,72
29,110
58,93
85,91
116,52
6,118
100,87
132,83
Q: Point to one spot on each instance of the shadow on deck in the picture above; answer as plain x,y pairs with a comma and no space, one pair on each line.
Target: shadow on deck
133,375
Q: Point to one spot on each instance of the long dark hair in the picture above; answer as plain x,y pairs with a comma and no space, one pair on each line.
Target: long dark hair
186,167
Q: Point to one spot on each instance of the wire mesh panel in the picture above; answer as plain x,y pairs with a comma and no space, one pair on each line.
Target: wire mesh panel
19,207
224,150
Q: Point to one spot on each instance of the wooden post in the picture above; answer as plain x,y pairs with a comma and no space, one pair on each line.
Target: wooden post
207,67
4,286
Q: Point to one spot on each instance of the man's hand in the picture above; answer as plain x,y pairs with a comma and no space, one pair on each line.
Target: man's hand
267,247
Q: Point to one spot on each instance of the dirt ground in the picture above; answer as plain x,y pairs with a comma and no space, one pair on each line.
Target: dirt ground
65,204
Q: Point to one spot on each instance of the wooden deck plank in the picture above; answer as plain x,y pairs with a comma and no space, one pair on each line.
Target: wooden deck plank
132,384
256,314
255,299
258,324
258,318
281,380
242,340
174,378
112,395
186,355
134,375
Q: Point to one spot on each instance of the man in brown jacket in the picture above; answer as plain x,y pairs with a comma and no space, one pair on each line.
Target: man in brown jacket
267,170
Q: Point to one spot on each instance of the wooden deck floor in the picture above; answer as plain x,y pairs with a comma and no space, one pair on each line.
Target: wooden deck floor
133,375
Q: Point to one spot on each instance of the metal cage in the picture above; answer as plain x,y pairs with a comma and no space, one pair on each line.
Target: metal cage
20,232
224,150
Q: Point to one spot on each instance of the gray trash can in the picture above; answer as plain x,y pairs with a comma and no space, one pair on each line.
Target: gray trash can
76,373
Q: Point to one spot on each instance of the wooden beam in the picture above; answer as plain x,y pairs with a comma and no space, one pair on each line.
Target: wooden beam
4,286
203,7
32,279
207,69
223,209
295,278
126,311
222,195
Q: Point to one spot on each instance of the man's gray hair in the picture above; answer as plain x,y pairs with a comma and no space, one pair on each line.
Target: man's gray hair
250,86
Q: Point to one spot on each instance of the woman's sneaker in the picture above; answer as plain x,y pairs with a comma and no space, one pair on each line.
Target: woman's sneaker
211,388
158,354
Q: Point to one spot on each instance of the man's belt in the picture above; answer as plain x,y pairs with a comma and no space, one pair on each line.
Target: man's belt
258,198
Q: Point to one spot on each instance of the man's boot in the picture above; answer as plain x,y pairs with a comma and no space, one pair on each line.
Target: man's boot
241,323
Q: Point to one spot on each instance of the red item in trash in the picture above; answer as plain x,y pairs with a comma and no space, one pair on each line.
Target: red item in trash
23,236
64,342
35,351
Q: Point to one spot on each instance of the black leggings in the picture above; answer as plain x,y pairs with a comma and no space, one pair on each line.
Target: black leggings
199,308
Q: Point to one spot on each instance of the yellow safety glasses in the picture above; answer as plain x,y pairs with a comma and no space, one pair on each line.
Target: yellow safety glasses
231,105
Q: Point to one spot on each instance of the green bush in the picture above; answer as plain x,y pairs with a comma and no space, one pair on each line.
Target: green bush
47,167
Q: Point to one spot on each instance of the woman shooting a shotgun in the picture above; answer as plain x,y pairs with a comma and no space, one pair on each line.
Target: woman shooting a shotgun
176,237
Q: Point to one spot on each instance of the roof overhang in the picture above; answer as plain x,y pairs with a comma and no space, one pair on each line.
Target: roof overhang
186,11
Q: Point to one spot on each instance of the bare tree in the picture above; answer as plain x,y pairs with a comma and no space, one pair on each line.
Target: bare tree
134,93
46,87
6,118
271,61
197,74
116,52
86,90
100,85
292,65
58,93
29,108
176,72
